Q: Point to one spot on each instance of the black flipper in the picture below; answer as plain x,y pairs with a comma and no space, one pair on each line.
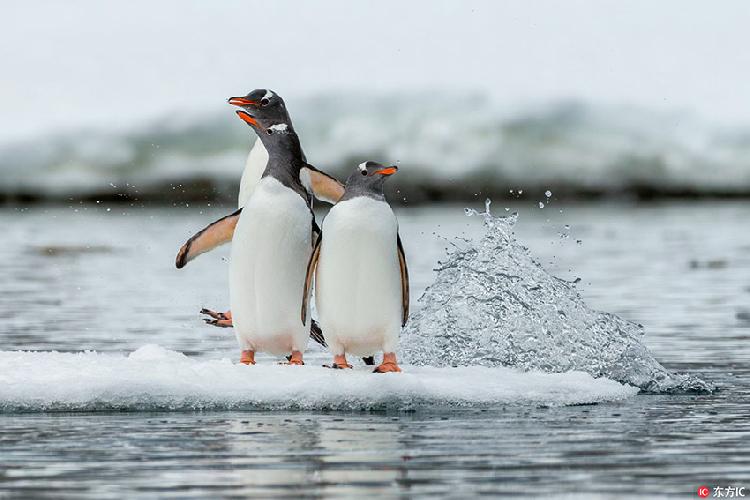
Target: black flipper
307,289
404,281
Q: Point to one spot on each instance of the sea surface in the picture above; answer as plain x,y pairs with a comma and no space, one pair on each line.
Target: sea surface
142,400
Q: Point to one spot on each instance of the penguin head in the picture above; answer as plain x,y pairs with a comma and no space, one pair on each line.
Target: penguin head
264,110
369,177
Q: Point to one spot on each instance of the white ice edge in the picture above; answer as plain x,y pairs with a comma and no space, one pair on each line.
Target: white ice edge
156,378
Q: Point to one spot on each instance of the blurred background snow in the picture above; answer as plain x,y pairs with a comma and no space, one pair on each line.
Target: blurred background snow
126,100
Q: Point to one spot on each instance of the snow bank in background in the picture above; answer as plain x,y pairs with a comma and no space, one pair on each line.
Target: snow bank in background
154,378
452,146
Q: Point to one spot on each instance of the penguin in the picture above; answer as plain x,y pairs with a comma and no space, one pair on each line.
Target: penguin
324,188
360,272
273,239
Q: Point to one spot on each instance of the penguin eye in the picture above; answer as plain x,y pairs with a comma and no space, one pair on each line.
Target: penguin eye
264,102
364,172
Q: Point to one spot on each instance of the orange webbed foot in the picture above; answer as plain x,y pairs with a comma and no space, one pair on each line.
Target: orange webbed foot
296,358
247,357
222,320
339,363
389,364
387,368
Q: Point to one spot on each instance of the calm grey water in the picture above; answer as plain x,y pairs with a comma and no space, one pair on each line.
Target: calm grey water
101,277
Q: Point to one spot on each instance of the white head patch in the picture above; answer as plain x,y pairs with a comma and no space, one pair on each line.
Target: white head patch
363,166
281,127
268,95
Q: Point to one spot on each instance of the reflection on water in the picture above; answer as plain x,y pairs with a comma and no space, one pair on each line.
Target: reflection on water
648,441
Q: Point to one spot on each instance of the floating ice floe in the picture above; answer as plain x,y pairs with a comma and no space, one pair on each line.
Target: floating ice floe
154,378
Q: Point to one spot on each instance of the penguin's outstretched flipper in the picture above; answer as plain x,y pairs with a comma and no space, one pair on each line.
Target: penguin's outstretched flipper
215,234
323,186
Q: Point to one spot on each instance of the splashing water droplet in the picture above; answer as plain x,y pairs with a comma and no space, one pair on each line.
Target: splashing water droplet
548,193
541,205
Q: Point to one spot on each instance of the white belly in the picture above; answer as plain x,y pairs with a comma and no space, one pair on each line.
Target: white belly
270,251
254,167
358,280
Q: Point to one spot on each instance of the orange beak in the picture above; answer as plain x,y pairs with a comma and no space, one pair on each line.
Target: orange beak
387,170
241,101
247,119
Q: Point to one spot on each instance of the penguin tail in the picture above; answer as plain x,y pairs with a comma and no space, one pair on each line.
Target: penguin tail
317,334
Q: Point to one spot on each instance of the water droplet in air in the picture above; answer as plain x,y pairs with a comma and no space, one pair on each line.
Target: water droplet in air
548,193
541,205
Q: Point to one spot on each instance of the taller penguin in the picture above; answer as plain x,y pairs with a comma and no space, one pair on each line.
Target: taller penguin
324,187
273,238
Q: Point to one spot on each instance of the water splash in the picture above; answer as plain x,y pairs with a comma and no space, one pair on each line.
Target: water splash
492,304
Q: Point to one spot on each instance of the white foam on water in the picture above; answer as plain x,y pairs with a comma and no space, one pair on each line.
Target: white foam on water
155,378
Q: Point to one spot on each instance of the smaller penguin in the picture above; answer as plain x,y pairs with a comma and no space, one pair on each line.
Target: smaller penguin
361,277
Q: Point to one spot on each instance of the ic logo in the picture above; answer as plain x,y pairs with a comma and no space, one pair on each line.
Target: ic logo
703,491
